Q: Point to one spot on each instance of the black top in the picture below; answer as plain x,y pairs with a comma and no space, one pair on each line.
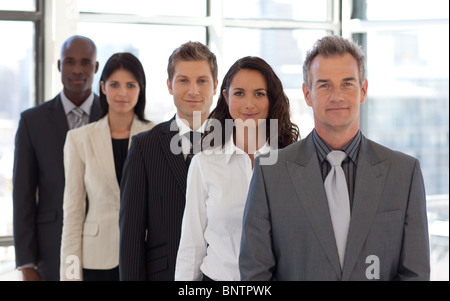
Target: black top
120,150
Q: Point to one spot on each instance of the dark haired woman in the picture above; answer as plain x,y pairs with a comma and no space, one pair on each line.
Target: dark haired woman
93,159
251,118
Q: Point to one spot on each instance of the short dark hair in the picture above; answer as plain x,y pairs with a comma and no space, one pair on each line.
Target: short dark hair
330,46
126,61
192,51
279,107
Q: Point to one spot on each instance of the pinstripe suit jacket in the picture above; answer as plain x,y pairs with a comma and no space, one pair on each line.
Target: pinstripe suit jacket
153,190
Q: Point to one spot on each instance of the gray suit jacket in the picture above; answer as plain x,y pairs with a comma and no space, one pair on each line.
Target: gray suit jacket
288,234
38,185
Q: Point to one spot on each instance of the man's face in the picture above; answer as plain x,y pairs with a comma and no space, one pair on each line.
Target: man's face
78,66
193,88
336,93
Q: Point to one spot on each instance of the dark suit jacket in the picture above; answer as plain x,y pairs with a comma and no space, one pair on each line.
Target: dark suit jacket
153,197
38,185
288,234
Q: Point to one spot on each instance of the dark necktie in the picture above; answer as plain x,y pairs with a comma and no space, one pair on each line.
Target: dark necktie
194,138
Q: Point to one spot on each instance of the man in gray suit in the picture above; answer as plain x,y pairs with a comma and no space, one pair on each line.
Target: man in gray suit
288,229
38,175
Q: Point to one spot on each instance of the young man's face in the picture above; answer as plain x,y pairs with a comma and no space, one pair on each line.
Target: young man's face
193,88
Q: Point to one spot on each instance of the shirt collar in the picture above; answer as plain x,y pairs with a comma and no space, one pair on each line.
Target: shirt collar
183,128
351,148
231,149
69,106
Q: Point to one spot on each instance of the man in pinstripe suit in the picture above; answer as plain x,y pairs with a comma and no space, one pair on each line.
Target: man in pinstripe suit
153,184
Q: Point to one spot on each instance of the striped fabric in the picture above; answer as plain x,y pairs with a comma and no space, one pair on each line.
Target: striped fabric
349,164
77,120
153,190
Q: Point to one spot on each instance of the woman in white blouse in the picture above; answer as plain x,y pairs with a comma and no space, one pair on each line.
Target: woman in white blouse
93,160
239,129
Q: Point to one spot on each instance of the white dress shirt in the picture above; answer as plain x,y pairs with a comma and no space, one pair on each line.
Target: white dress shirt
69,106
183,129
217,187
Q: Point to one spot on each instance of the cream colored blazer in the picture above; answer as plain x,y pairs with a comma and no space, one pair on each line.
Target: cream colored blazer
91,241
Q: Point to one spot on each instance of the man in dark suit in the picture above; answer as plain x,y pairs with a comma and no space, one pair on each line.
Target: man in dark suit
375,229
153,184
38,175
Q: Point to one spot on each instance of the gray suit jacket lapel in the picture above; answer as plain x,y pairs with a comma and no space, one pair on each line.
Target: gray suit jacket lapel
308,183
371,175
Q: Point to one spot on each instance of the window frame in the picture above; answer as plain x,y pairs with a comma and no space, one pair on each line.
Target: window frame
37,17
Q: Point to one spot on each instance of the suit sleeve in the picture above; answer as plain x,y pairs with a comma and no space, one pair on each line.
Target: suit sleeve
25,181
256,259
415,257
132,216
74,208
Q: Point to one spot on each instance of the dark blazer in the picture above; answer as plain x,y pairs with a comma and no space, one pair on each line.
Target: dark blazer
38,185
288,234
153,197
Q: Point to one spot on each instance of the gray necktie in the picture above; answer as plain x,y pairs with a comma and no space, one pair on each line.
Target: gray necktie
338,201
77,120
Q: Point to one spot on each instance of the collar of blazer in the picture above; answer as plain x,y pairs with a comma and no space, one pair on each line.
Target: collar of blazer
99,134
304,170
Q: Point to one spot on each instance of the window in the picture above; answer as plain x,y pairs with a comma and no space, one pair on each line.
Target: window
408,97
144,41
191,8
24,5
152,43
19,83
278,10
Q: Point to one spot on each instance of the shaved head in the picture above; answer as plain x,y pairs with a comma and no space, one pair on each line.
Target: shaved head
79,39
78,64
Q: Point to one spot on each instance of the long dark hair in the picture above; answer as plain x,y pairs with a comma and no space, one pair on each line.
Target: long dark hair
279,108
126,61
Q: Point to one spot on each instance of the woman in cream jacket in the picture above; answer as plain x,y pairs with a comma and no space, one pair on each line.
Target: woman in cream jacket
93,159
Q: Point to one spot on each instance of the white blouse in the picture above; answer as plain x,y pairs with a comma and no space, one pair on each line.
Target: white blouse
217,187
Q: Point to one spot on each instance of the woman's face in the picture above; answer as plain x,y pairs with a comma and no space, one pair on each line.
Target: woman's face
247,97
121,90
